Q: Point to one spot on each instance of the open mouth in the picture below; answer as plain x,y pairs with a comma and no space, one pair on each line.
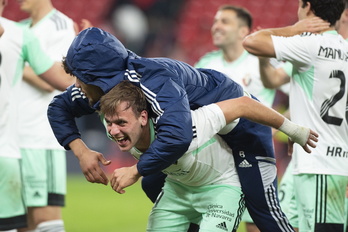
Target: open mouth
122,141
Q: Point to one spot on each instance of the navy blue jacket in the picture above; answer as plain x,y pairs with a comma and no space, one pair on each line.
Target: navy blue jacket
172,88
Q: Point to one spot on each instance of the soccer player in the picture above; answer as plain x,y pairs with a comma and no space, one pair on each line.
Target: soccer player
318,97
18,45
97,58
273,78
203,185
43,159
231,25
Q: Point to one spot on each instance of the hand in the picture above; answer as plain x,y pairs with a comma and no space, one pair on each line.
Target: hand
312,139
89,163
290,147
84,24
314,25
124,177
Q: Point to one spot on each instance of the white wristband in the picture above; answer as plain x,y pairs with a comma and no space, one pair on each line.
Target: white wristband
297,133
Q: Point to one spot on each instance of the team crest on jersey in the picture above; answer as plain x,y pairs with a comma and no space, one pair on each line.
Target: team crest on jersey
247,80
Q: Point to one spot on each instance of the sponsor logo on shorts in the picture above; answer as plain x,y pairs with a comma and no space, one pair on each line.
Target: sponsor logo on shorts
222,226
245,164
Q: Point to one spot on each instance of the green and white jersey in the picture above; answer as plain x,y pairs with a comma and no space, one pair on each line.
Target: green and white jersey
245,71
55,32
17,45
208,160
318,98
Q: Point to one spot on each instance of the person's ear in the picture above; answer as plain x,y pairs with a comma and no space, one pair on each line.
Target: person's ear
308,9
144,117
243,31
345,15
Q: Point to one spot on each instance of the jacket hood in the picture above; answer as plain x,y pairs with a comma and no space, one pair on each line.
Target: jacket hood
98,58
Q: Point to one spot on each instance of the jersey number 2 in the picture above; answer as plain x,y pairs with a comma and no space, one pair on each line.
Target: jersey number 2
328,103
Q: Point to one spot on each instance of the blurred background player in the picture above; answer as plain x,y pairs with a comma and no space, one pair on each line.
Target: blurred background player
231,25
44,160
18,45
313,81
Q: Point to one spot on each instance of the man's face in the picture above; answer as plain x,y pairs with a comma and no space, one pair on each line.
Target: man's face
226,29
128,129
93,93
27,5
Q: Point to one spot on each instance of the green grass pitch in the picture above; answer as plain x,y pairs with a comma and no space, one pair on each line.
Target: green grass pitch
95,207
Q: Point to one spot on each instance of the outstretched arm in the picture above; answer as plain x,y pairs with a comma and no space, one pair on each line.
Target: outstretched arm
255,111
62,112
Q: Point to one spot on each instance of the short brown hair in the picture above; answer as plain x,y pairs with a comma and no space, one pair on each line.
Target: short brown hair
125,91
242,14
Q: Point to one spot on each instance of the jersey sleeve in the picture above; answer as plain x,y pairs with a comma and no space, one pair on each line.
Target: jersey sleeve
34,54
62,112
295,49
207,121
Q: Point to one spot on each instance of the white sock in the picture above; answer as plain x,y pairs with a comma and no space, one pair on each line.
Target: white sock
51,226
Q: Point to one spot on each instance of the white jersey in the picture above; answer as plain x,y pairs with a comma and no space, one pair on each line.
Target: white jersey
17,45
318,98
245,71
209,159
55,32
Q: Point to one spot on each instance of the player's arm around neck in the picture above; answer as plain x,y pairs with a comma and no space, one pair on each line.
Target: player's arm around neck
260,42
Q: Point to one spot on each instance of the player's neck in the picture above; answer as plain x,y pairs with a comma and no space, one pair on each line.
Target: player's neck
232,53
329,29
145,141
40,12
